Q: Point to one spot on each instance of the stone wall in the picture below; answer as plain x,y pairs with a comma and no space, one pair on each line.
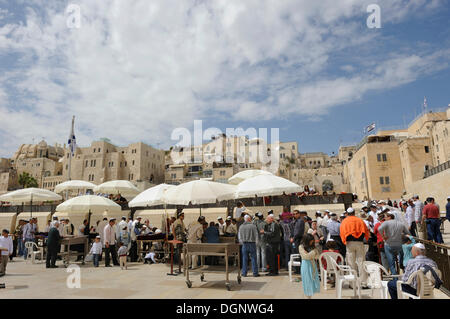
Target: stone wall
437,186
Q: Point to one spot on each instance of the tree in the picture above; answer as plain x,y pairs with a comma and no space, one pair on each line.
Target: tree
327,185
26,180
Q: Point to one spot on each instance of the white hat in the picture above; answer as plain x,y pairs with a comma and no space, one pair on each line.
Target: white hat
97,236
342,215
271,215
419,245
158,231
448,197
381,201
350,210
219,218
229,218
139,217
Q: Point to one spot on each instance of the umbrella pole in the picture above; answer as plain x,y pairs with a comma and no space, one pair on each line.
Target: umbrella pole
31,206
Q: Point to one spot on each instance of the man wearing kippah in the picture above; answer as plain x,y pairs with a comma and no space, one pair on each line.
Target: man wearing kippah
418,261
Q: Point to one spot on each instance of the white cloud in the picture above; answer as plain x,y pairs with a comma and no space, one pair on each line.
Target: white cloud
135,70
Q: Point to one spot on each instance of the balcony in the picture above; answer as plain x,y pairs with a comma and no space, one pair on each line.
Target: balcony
437,169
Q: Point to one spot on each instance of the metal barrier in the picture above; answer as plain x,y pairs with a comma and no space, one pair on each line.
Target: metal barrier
437,169
440,255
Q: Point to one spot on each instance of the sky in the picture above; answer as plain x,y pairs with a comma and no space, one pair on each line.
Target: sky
136,70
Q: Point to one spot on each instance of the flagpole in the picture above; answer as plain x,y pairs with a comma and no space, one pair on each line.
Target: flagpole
70,152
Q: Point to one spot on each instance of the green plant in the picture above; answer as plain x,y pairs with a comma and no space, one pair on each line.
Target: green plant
26,180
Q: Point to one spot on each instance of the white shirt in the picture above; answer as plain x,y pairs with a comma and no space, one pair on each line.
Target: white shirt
101,228
96,248
120,227
374,216
27,229
221,228
6,242
409,215
239,211
109,235
418,207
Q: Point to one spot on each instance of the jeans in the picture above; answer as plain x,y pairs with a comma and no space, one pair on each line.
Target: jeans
96,258
383,258
261,255
392,287
434,231
287,251
21,246
249,248
391,253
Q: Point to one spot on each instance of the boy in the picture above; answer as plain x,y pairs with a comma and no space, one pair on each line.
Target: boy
123,251
96,250
408,243
6,250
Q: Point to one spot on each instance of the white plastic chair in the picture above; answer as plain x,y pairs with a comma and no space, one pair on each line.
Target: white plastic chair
425,285
325,272
33,253
375,280
293,263
345,274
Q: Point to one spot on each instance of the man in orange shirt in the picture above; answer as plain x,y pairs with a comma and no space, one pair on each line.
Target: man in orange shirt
353,230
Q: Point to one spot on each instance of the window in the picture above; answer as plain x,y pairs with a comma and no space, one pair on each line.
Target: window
132,163
125,163
94,150
437,148
381,180
384,158
378,157
386,180
99,149
86,164
427,149
293,147
427,167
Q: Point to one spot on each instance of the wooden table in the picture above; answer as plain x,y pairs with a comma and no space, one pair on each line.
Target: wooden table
73,240
203,249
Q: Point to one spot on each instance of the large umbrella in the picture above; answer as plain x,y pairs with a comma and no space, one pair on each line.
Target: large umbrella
243,175
151,197
266,185
74,185
199,192
29,195
91,203
123,187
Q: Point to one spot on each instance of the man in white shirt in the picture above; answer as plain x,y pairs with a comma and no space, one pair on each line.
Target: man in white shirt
410,217
418,208
374,213
6,249
110,239
123,223
239,210
221,225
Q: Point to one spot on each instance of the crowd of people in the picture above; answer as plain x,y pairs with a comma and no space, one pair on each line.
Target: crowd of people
377,233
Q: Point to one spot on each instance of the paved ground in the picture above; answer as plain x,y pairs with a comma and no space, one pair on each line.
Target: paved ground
27,280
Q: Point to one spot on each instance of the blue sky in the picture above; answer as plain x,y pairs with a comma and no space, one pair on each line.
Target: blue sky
136,70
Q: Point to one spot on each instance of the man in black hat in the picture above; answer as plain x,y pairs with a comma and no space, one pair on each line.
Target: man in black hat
53,245
272,235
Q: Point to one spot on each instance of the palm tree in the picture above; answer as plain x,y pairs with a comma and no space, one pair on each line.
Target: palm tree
26,180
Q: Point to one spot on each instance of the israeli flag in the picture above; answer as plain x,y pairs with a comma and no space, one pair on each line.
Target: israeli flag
72,143
370,128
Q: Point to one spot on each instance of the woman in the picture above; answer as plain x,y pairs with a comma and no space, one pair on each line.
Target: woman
309,269
317,234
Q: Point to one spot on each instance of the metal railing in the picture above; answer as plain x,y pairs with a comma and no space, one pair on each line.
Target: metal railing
437,169
439,253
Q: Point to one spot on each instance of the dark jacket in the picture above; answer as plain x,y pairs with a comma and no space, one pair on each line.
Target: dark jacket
53,238
299,229
272,233
212,235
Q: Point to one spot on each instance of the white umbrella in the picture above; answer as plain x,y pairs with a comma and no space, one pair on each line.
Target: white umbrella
266,185
151,197
29,195
91,203
74,185
243,175
199,192
125,188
